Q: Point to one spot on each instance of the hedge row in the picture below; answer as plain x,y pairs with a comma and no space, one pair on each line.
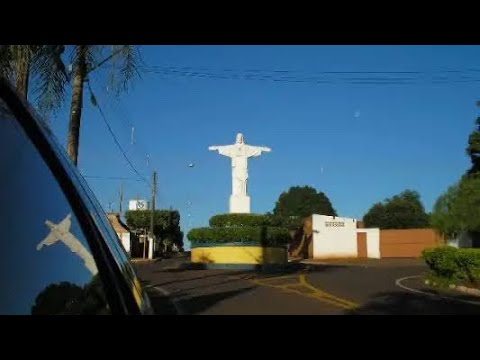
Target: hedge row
230,220
455,264
239,220
242,234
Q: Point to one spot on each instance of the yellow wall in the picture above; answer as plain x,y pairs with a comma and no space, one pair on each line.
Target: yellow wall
239,255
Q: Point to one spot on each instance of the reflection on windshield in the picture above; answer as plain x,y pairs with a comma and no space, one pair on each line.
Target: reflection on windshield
47,266
61,232
66,298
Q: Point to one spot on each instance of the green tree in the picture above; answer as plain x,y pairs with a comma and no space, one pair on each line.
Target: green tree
458,209
376,216
45,66
41,65
473,148
403,211
54,299
303,201
66,298
166,224
85,59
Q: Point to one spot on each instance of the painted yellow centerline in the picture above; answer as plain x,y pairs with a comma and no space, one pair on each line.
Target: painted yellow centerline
302,283
324,295
272,278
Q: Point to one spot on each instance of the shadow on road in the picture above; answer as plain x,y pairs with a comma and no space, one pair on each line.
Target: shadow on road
198,290
191,273
296,268
404,303
201,276
198,304
161,304
191,305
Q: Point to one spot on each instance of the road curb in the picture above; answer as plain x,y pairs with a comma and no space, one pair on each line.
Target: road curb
398,283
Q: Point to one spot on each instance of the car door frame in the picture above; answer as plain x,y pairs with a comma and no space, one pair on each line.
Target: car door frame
118,287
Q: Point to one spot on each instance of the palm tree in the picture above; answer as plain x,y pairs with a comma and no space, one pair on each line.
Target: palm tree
15,64
40,65
84,61
43,66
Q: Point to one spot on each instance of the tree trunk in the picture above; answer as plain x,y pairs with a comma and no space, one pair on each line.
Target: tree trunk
23,74
80,72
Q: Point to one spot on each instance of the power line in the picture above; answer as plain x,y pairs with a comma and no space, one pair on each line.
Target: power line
121,112
321,77
111,178
193,69
97,105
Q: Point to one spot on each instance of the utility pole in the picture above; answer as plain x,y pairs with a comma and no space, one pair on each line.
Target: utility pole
145,239
152,218
121,198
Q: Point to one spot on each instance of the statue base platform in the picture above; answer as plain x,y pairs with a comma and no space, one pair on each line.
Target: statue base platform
240,204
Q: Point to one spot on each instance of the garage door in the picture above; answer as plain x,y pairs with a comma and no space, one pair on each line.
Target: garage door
408,243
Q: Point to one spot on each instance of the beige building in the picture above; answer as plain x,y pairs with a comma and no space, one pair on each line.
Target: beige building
341,237
121,229
327,237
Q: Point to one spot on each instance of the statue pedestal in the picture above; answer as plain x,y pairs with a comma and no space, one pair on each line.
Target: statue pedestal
240,204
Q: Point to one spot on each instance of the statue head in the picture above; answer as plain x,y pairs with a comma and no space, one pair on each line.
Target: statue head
240,139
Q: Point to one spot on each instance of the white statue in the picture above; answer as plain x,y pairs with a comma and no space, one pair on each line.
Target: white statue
61,233
239,153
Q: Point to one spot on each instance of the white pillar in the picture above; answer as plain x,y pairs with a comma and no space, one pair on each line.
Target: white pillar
240,204
150,248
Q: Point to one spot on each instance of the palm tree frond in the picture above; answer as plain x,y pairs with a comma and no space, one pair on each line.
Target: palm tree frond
51,77
124,67
15,61
5,61
22,54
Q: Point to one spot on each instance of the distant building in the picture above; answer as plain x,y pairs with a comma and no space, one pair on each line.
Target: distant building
138,205
327,237
121,229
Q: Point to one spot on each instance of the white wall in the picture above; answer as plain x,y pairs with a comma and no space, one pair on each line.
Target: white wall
373,242
125,240
464,240
334,237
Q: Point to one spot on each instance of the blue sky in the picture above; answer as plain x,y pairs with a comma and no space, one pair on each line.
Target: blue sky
357,143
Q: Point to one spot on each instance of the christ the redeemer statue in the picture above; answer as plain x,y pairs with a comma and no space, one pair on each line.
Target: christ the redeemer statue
239,153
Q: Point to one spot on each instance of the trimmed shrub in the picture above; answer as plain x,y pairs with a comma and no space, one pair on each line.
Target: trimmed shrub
266,236
291,223
451,263
469,263
442,261
227,220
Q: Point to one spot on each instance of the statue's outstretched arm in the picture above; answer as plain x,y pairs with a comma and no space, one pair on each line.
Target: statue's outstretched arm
253,151
222,150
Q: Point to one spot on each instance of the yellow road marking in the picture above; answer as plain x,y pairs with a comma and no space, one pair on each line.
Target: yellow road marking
314,293
278,278
304,282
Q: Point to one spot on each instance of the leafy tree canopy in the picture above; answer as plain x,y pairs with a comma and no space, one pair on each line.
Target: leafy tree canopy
473,149
166,224
303,201
403,211
458,209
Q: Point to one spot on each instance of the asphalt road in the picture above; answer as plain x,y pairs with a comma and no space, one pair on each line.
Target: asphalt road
355,288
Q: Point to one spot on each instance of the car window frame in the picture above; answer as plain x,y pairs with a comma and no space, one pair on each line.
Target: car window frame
118,287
